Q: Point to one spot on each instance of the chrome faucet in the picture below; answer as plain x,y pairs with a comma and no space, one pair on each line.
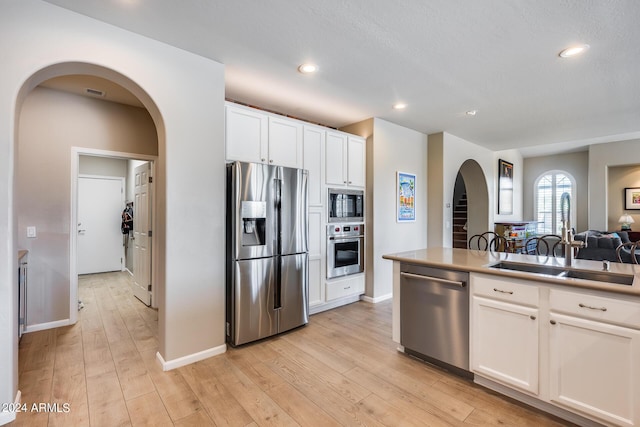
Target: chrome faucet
567,241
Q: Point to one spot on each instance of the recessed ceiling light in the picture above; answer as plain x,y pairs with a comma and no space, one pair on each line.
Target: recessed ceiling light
472,112
573,51
308,68
399,106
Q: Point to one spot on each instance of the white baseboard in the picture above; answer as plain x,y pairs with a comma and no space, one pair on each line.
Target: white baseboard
191,358
5,416
376,299
48,325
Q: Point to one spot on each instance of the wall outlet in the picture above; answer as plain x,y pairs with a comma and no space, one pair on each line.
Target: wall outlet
31,231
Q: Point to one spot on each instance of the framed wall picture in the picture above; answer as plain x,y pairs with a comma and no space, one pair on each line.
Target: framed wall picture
406,197
632,198
505,187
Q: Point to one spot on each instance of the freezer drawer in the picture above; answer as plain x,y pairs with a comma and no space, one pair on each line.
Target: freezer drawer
261,305
253,315
294,291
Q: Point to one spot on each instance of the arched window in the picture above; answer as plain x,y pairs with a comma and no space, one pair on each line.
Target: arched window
547,191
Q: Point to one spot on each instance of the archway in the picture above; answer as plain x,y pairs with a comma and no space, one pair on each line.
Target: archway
58,275
470,194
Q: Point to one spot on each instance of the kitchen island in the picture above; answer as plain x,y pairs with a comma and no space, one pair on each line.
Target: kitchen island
539,331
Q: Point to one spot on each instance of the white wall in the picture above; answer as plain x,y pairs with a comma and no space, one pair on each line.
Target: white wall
184,94
601,157
391,148
107,166
449,153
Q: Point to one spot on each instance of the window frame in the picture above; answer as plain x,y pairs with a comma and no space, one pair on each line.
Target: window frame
574,197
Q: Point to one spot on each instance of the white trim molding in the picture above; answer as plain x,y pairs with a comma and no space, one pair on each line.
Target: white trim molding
376,299
7,416
48,325
191,358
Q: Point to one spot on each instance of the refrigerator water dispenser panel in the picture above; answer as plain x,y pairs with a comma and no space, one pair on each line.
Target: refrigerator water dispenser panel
253,216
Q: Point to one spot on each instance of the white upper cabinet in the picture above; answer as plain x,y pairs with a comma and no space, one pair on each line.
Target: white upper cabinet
313,141
345,162
336,158
285,142
356,161
258,137
246,136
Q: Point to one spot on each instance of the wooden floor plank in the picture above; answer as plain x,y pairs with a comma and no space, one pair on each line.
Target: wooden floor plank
148,410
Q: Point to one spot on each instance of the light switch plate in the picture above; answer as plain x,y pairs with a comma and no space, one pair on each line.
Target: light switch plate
31,231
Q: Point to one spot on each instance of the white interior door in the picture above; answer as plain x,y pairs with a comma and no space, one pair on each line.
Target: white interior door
141,286
100,204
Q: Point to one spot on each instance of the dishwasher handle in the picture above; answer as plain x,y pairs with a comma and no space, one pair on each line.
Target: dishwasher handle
434,279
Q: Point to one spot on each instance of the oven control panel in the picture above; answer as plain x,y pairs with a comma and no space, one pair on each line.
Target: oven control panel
345,230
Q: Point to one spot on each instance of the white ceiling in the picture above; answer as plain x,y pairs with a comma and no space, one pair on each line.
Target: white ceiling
441,57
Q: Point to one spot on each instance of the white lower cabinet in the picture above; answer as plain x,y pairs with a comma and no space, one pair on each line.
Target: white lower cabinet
504,332
505,338
594,366
341,288
578,350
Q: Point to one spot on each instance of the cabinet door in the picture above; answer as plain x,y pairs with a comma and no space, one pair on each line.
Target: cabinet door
336,164
285,142
313,146
246,135
595,368
354,285
316,257
504,343
356,162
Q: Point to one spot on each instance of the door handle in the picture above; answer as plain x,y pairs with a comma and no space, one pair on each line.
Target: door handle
434,279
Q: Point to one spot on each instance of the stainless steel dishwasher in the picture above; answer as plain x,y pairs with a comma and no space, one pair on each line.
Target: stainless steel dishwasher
434,316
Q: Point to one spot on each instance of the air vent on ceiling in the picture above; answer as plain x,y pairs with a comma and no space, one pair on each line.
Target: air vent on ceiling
94,92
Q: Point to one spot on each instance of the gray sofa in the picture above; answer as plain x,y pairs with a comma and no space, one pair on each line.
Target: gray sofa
602,245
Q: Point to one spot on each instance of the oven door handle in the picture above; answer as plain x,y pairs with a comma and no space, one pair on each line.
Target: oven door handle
346,239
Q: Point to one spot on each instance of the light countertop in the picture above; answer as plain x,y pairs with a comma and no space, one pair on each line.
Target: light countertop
479,261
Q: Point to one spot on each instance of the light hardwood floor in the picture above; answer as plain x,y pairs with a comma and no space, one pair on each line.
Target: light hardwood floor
341,369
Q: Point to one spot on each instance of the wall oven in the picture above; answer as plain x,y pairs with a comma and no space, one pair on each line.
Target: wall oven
345,205
345,249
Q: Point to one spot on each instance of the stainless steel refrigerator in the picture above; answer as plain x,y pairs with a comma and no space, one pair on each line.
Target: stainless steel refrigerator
267,252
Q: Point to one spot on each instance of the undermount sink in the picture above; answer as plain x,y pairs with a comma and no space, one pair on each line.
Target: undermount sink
598,276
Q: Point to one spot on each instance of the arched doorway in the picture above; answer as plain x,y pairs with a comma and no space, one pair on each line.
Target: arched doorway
470,201
54,256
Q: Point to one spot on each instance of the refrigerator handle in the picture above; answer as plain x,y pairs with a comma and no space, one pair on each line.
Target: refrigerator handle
277,297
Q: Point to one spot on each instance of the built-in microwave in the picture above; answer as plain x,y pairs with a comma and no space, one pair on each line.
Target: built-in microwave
345,205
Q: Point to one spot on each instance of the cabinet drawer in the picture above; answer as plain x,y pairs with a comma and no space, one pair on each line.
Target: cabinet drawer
345,288
512,290
610,310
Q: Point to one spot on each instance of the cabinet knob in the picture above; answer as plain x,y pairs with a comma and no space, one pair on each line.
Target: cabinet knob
262,160
344,182
553,322
270,161
532,317
349,182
